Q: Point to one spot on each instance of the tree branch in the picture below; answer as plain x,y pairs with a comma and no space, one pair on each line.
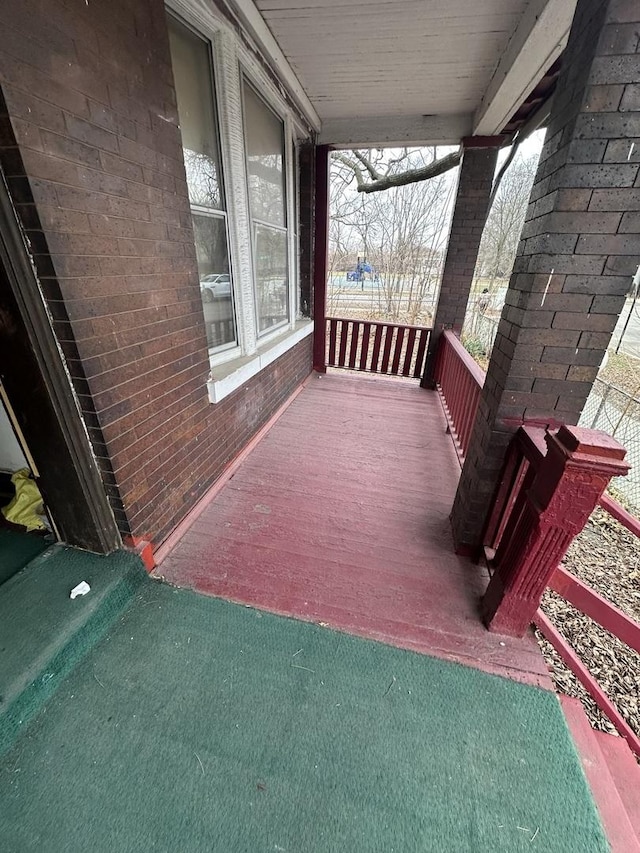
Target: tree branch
411,176
375,176
346,161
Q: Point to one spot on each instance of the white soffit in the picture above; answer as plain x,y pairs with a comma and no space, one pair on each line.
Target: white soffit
413,71
537,42
254,23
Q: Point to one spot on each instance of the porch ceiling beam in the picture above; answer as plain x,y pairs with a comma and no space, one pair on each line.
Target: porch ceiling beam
539,39
249,15
395,131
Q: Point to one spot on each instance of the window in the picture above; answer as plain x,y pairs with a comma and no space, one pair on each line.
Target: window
193,76
265,153
238,139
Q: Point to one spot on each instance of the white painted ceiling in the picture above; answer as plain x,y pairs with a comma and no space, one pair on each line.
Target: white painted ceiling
392,57
370,61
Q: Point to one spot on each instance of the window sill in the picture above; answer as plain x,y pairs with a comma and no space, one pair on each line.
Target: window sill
229,376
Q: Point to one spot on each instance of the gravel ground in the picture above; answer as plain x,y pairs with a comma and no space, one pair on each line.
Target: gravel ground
607,557
623,371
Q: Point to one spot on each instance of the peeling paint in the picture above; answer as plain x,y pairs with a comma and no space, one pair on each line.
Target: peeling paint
546,290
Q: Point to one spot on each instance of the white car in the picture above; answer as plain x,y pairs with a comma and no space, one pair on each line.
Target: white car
215,286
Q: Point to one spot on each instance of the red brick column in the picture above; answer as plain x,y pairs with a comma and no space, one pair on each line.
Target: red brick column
580,249
575,472
467,224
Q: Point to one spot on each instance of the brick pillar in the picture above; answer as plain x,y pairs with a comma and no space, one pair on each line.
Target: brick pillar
566,489
579,250
469,216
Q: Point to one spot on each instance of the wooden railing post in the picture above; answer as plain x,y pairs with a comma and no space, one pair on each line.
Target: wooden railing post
569,483
320,258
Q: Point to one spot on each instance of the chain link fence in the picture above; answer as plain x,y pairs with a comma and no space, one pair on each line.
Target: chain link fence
481,328
618,414
608,408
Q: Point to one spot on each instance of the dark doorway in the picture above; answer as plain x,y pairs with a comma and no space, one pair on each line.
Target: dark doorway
42,400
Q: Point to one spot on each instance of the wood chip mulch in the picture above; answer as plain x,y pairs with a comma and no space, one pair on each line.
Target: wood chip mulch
607,557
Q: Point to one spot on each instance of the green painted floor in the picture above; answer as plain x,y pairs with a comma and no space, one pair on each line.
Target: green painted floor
199,725
43,633
17,549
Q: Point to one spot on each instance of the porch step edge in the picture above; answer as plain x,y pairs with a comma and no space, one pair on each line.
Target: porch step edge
611,808
44,635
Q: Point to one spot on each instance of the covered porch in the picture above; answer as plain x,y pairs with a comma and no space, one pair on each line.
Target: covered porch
351,725
248,731
340,516
380,715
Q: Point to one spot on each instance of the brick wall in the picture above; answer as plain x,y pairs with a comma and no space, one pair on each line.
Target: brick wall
580,247
89,94
165,478
467,224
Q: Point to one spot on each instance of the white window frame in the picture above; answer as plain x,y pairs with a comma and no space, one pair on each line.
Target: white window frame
223,352
233,349
294,219
232,62
286,229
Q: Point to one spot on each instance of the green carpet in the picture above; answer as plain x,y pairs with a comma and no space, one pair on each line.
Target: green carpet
16,550
199,725
43,633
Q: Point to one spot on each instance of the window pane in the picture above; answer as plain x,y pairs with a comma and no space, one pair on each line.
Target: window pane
271,277
194,92
265,154
215,281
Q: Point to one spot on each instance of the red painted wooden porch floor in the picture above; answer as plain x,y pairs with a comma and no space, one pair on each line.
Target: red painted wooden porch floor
340,516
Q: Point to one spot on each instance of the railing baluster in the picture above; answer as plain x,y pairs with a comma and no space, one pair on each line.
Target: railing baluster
377,341
344,333
333,331
513,471
386,355
355,339
395,364
406,364
364,350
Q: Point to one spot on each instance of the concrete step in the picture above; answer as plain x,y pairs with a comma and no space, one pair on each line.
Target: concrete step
44,634
612,806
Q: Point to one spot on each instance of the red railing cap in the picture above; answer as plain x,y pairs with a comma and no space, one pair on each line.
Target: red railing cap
532,442
591,441
590,448
377,323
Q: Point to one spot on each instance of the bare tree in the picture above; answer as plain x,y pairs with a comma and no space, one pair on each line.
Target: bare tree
400,232
390,175
504,224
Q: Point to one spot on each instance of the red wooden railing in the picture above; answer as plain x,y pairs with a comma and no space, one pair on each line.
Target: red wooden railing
525,458
459,382
387,348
